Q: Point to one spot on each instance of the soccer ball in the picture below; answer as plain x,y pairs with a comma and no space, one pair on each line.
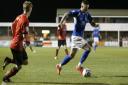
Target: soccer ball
86,72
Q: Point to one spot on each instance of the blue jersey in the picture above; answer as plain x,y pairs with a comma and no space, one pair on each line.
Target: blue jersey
96,32
82,18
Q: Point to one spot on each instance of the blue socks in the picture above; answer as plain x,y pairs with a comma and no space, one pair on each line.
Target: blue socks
84,56
66,59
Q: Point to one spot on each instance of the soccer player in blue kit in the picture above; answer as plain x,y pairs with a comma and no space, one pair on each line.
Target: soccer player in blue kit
96,36
82,17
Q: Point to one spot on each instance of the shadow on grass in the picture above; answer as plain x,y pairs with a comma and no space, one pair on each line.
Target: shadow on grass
123,76
62,83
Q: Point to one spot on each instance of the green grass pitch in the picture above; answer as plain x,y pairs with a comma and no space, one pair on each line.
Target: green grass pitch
109,66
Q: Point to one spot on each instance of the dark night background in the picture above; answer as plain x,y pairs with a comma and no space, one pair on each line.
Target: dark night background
45,10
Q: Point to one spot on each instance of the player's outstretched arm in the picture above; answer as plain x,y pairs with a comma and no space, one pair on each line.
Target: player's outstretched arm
63,18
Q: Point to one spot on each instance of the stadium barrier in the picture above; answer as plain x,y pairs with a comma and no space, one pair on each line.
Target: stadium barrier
125,43
104,27
4,43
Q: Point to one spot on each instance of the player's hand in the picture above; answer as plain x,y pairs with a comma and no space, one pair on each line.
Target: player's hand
59,27
27,42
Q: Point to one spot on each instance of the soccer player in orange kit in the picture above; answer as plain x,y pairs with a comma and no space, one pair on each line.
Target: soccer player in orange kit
61,35
20,32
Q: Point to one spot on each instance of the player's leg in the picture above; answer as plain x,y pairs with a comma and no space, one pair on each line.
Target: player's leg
66,50
87,49
31,48
95,43
8,60
11,73
57,49
18,61
65,47
94,46
66,59
24,58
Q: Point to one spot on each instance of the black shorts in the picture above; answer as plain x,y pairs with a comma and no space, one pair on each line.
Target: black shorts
19,56
61,42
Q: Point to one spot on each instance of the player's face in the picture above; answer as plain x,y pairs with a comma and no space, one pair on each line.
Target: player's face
84,7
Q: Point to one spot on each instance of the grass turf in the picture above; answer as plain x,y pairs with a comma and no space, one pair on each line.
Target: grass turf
109,66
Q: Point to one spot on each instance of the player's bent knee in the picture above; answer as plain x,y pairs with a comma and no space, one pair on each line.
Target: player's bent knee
89,49
72,55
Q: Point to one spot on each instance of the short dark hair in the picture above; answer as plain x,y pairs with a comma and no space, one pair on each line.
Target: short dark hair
85,1
27,5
